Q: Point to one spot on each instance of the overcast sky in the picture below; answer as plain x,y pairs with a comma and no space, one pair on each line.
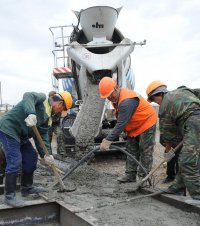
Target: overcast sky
171,28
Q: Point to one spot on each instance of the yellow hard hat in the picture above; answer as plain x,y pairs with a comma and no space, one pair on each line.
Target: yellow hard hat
152,87
67,99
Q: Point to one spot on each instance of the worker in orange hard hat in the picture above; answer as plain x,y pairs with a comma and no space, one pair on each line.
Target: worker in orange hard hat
156,87
106,86
179,113
156,90
15,131
137,118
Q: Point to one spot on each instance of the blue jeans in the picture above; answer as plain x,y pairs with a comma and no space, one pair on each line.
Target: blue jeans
18,156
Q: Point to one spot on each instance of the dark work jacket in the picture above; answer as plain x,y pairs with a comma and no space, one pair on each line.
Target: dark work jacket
13,124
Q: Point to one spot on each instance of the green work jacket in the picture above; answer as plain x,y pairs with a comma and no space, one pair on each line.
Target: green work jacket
13,124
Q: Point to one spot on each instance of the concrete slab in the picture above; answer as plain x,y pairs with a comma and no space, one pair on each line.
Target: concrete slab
38,212
177,201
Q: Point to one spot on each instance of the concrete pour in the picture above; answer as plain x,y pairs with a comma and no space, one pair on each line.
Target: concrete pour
88,120
95,190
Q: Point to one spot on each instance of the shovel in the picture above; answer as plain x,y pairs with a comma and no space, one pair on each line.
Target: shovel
140,183
63,188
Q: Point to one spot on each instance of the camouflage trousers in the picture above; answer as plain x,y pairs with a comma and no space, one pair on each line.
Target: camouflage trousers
141,147
188,175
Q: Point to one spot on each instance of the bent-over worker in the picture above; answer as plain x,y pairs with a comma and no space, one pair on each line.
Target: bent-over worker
137,118
15,130
180,111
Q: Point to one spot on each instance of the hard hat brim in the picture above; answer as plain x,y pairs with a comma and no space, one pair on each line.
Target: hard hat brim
161,89
106,95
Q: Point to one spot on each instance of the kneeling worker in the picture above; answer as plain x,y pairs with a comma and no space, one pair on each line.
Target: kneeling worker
15,130
137,118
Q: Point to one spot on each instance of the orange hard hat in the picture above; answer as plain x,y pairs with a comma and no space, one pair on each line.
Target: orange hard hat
67,99
106,86
152,87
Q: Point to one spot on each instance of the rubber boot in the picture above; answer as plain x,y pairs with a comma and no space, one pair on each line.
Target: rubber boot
27,187
1,183
10,188
1,178
2,165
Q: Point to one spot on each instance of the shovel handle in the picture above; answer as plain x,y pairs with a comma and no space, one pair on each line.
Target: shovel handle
47,154
158,166
40,140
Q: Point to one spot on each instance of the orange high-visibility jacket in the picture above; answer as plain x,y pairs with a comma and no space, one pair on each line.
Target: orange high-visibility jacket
144,117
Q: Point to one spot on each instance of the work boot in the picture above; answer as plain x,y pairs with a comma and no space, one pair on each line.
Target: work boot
10,188
27,187
144,184
2,164
1,178
174,191
167,180
126,178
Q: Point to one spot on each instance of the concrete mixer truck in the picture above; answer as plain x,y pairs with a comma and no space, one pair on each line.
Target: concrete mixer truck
83,54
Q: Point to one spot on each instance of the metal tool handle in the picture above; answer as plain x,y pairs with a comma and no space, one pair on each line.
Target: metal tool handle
47,154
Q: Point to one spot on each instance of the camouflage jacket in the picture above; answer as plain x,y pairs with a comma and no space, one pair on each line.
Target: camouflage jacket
174,110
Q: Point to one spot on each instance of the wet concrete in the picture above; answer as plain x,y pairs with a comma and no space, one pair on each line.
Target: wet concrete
87,123
145,212
96,191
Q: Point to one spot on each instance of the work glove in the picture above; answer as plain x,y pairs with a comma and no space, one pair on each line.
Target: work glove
31,120
49,159
105,145
169,155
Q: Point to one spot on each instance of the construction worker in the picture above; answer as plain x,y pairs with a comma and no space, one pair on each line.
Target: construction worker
137,118
179,112
15,130
55,119
56,129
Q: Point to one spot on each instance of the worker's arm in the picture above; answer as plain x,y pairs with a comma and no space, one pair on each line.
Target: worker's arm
126,109
34,103
167,124
44,133
30,100
168,129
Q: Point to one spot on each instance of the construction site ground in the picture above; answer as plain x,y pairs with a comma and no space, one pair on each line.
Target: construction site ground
100,196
